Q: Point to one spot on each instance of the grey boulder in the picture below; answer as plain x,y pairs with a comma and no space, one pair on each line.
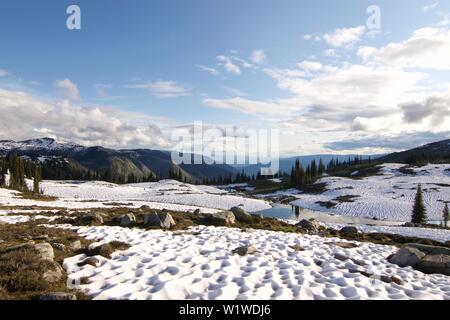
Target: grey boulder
241,215
424,258
162,220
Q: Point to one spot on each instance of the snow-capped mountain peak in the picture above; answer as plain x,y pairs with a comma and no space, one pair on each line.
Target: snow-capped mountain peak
40,144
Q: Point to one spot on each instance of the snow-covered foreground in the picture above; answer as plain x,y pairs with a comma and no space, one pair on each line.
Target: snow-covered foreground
166,194
163,265
388,196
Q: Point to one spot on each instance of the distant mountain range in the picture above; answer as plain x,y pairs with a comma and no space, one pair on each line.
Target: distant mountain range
142,162
432,152
139,162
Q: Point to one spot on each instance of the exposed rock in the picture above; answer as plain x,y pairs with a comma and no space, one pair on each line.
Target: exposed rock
90,219
162,220
45,251
58,296
245,250
297,248
145,208
222,218
241,215
92,261
152,219
425,258
126,220
309,226
409,225
407,256
166,220
54,273
344,245
197,211
390,279
349,230
75,245
341,257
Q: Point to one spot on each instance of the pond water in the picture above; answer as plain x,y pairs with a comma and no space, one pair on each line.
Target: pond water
281,211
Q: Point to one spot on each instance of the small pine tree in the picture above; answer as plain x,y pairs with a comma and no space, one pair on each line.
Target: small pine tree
446,215
36,179
419,214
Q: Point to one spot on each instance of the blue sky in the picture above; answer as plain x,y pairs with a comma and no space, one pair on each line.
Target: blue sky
143,68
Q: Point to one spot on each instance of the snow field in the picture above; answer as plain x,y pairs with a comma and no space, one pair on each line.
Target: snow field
162,265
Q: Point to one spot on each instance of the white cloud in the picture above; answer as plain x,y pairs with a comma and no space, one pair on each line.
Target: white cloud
426,48
68,89
247,106
228,64
235,92
210,70
163,89
25,116
3,73
430,7
258,57
330,53
345,37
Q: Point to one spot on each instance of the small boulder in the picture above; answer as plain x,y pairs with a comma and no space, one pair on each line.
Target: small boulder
349,230
241,215
162,220
245,250
54,273
197,211
407,256
309,226
90,219
45,251
425,258
222,218
167,221
75,245
409,225
58,296
92,261
344,245
126,220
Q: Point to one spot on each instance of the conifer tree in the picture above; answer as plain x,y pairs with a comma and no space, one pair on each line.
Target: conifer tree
419,214
36,179
446,215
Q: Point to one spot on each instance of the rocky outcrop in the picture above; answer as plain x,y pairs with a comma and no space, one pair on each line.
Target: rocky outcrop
245,250
241,215
424,258
222,218
308,226
89,219
126,220
349,230
162,220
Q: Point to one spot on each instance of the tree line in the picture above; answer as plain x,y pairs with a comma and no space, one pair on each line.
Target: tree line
19,170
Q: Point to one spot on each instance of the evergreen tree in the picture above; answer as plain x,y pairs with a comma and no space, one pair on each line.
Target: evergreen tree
446,215
321,168
419,214
36,179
